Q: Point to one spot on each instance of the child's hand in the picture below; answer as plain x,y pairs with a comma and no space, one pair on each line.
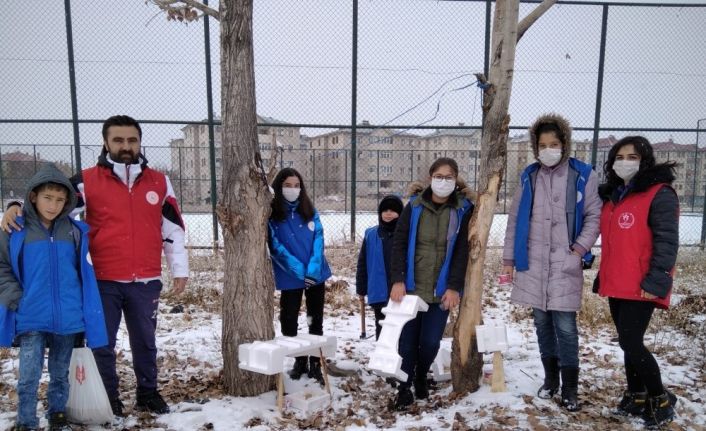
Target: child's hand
8,222
398,291
179,285
450,299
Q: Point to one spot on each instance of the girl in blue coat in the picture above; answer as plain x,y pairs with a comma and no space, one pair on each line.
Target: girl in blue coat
296,241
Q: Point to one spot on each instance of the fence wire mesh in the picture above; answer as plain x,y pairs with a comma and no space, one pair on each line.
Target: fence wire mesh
415,90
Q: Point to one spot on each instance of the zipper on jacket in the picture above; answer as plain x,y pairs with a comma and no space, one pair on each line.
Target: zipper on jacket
53,273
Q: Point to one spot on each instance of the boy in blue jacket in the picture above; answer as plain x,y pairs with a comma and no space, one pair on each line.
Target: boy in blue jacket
372,277
48,295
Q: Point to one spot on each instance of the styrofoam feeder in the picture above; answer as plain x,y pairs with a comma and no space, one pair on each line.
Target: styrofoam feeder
307,401
493,338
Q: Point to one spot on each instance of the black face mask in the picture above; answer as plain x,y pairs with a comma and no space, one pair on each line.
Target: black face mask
389,225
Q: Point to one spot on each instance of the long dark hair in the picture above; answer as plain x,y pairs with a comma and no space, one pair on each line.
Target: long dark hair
642,147
279,203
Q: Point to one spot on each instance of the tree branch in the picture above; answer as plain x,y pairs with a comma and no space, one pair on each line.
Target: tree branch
179,6
530,19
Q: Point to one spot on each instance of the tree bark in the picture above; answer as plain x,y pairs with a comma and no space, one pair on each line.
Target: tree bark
244,207
466,362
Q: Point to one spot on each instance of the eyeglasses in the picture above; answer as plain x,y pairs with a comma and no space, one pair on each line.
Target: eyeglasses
442,178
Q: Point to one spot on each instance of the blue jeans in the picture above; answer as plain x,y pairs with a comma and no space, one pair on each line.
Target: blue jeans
420,340
31,364
558,336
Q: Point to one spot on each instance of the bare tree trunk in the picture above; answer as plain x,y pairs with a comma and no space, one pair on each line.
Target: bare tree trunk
245,205
466,362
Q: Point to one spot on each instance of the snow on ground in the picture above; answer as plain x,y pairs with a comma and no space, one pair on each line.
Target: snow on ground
190,363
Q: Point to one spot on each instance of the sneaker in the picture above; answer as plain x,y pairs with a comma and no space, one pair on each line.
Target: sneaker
58,422
301,367
404,398
659,410
117,406
632,403
152,402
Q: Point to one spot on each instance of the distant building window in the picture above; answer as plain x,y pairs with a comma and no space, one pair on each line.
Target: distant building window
385,154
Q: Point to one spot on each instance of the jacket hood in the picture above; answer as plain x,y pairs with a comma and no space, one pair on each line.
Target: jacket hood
565,130
662,173
49,173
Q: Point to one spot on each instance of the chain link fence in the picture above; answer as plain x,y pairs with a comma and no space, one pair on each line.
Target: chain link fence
410,71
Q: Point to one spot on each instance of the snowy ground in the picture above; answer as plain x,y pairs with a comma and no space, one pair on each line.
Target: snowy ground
190,362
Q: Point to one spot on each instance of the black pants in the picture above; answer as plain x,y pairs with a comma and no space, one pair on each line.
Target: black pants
631,320
379,315
138,302
290,302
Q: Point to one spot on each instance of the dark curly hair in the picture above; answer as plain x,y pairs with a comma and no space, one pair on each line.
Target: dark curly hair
642,147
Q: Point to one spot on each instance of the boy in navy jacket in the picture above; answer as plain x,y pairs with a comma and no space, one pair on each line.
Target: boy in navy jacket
373,273
48,294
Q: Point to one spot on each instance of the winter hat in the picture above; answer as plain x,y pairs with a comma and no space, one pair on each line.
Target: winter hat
393,203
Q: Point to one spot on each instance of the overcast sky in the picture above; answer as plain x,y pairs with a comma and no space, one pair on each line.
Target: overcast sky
130,61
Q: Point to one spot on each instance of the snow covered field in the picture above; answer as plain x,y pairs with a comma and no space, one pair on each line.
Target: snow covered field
190,362
337,228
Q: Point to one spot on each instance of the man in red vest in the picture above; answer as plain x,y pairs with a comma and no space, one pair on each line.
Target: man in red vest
133,215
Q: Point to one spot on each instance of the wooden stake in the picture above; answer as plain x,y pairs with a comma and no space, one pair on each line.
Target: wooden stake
280,392
498,380
324,371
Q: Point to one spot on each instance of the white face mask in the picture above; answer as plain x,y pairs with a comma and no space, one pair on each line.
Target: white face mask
442,188
626,169
291,193
549,156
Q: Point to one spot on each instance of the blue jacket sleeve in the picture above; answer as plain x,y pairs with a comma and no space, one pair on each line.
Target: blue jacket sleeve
282,257
316,261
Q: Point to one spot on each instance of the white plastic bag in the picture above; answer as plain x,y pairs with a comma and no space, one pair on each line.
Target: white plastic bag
88,402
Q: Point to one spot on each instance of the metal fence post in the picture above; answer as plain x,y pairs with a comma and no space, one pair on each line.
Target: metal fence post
72,84
378,175
211,137
599,90
703,214
354,114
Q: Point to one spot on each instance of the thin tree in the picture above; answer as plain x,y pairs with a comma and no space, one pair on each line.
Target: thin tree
466,362
244,206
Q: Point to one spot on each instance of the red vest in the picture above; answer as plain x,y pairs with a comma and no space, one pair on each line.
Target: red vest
626,247
125,239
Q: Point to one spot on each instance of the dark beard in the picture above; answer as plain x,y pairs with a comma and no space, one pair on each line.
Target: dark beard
126,157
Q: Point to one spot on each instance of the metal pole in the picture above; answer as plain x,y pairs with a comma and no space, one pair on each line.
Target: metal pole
486,55
354,114
703,215
599,90
2,184
696,171
313,179
378,166
72,85
211,132
181,182
345,180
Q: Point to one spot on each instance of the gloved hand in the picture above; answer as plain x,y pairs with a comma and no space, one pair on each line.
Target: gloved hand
596,284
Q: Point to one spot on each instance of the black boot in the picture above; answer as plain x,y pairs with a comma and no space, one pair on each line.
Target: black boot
404,397
570,389
659,410
315,369
151,401
632,403
58,422
300,367
551,378
421,387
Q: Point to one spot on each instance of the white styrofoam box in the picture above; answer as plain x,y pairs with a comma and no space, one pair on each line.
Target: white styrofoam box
410,305
267,357
387,364
308,400
491,338
261,357
385,360
441,367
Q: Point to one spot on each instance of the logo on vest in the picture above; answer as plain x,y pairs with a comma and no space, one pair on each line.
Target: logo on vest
626,220
311,226
152,197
